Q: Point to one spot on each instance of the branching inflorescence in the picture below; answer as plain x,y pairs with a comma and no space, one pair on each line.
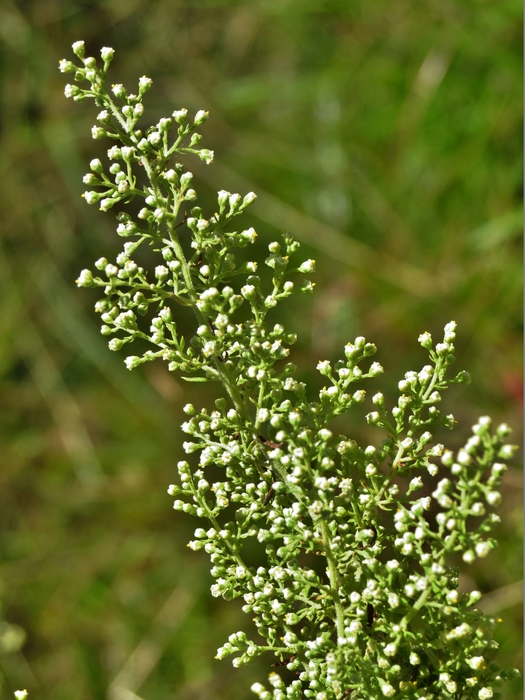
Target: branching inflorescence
355,595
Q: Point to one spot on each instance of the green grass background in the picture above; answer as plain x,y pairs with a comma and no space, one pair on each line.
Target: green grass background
386,136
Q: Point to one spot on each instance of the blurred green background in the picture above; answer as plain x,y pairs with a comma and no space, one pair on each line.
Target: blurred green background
386,136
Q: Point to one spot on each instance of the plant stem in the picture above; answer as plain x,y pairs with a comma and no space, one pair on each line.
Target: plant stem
334,580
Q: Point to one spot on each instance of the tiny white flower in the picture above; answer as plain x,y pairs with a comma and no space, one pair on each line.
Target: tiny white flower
206,155
201,117
307,266
107,53
66,66
78,48
375,369
155,138
323,366
97,132
144,83
415,483
388,690
476,662
464,457
425,339
248,291
493,498
507,451
85,279
71,90
498,468
180,115
263,415
419,533
453,597
132,361
483,549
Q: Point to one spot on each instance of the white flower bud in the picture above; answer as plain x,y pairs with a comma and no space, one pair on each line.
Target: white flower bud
107,53
155,138
323,366
373,418
493,498
79,49
144,84
66,66
97,132
85,279
388,690
476,662
425,339
132,361
483,549
200,117
250,235
485,694
71,90
180,115
415,483
263,415
307,266
206,156
248,291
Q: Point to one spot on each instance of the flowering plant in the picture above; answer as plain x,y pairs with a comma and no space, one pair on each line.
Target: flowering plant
356,592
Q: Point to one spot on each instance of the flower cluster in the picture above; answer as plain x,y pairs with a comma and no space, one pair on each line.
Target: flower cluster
355,593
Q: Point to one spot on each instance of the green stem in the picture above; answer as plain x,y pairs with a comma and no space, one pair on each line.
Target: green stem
224,375
334,580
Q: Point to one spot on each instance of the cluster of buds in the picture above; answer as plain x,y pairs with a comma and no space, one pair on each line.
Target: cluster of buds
355,592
